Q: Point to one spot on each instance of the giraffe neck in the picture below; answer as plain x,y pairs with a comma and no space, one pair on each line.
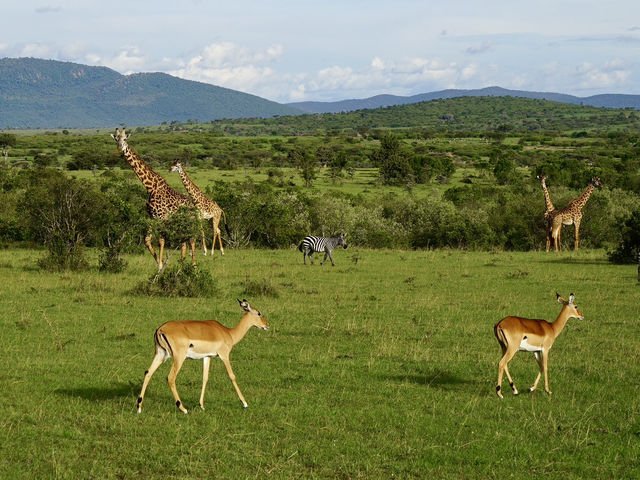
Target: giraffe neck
547,199
145,174
191,187
582,200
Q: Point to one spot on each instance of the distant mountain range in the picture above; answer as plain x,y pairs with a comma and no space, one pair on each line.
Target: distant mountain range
36,93
606,100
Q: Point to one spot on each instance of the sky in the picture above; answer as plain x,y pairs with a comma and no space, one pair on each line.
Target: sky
329,50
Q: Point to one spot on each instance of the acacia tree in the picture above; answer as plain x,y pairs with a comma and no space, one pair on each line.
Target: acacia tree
7,140
306,163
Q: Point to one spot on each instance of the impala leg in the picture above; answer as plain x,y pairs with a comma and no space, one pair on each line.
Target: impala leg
539,361
511,384
232,377
206,361
545,368
157,361
171,379
502,365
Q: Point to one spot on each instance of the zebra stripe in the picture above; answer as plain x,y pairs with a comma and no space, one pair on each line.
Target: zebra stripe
312,243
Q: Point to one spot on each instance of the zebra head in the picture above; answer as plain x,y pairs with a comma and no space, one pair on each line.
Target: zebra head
342,240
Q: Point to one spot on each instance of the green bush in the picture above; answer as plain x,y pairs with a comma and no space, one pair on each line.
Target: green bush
178,280
629,247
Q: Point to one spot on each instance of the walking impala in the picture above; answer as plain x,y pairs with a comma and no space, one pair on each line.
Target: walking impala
199,340
537,336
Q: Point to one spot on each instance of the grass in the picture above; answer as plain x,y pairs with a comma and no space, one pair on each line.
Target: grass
381,367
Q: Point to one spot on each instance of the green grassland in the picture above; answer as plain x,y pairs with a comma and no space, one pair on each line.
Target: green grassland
381,367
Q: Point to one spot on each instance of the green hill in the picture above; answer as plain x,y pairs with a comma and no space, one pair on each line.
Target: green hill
37,93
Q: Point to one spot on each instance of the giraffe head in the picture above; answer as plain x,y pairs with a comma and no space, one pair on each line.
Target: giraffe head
121,139
176,167
542,177
595,181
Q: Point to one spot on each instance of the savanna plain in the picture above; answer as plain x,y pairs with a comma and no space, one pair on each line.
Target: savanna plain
383,366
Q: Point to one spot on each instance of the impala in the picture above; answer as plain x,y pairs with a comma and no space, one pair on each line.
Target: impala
537,336
199,340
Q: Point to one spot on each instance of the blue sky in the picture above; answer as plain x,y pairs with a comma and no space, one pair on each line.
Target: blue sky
287,50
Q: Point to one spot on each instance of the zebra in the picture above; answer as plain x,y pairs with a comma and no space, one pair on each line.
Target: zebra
312,244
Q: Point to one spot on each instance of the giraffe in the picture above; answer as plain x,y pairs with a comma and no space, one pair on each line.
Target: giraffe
572,213
548,209
208,208
162,200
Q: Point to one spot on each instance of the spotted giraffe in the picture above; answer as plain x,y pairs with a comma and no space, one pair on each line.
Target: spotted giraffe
548,209
572,213
208,208
162,200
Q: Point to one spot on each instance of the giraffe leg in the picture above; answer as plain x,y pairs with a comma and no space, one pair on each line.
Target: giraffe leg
192,241
160,258
147,242
204,244
219,241
576,233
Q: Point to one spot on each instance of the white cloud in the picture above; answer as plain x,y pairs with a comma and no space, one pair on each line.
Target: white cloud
128,60
36,50
613,73
229,65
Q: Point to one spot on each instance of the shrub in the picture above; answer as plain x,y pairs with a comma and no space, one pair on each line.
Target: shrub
629,247
263,288
61,212
179,280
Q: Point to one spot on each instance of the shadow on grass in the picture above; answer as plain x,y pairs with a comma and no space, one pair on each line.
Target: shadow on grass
101,392
436,379
574,261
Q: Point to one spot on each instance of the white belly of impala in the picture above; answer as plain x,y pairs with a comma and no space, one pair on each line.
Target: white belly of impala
199,356
527,347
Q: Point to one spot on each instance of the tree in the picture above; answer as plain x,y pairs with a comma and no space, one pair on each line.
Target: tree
305,163
393,163
7,140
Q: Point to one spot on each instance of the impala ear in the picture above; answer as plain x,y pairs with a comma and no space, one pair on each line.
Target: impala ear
244,304
571,298
560,299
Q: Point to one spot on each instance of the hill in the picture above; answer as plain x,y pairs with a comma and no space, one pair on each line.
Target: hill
458,114
606,100
36,93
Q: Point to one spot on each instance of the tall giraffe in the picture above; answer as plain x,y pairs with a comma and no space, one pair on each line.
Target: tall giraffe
548,209
162,200
208,208
572,213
